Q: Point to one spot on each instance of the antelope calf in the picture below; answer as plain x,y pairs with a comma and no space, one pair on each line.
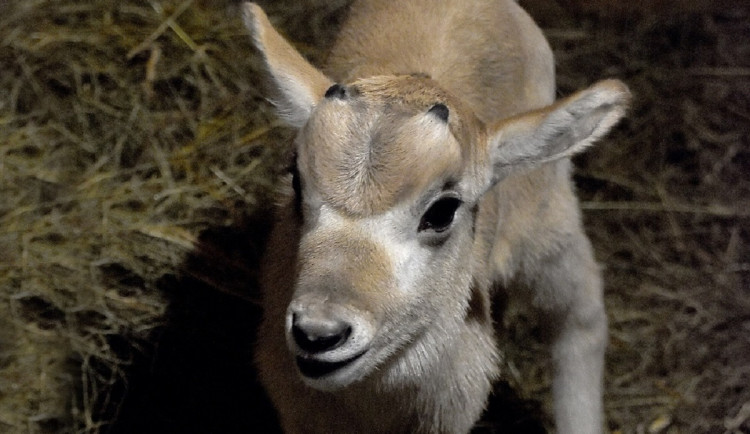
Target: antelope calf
432,169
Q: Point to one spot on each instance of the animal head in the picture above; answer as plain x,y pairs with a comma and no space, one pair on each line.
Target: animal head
389,172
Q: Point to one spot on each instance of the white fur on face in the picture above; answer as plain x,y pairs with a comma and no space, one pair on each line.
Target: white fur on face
378,271
389,231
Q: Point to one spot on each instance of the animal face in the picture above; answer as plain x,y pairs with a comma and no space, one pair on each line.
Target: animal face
388,171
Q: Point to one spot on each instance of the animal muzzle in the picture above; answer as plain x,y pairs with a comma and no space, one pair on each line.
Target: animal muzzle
327,341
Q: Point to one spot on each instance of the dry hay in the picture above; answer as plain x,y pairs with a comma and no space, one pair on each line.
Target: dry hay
136,149
668,203
127,129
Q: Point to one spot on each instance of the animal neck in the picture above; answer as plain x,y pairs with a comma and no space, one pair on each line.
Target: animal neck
439,384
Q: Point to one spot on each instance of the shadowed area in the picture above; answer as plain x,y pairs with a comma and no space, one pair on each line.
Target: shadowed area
199,376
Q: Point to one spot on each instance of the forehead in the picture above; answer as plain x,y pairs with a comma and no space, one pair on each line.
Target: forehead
378,144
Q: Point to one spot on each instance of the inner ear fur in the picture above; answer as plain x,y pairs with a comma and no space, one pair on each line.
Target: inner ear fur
560,130
298,85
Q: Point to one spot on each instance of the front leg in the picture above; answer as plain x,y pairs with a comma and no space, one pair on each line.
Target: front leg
568,291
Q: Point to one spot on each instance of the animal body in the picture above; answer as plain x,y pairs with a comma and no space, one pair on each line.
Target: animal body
432,170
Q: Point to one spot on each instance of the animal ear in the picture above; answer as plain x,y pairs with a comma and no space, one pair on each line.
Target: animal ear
557,131
299,85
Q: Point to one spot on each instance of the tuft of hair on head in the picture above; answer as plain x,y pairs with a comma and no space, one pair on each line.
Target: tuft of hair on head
440,110
336,91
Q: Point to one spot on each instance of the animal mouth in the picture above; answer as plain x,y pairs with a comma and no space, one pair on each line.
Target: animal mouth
312,368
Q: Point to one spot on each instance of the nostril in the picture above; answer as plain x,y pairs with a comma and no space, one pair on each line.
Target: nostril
319,336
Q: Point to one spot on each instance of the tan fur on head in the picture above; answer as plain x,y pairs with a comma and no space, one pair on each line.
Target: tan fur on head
360,153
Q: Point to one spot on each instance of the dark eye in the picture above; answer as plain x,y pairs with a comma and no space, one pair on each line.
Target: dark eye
440,215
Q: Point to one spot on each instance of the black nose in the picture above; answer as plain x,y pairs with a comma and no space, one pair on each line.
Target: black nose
318,335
